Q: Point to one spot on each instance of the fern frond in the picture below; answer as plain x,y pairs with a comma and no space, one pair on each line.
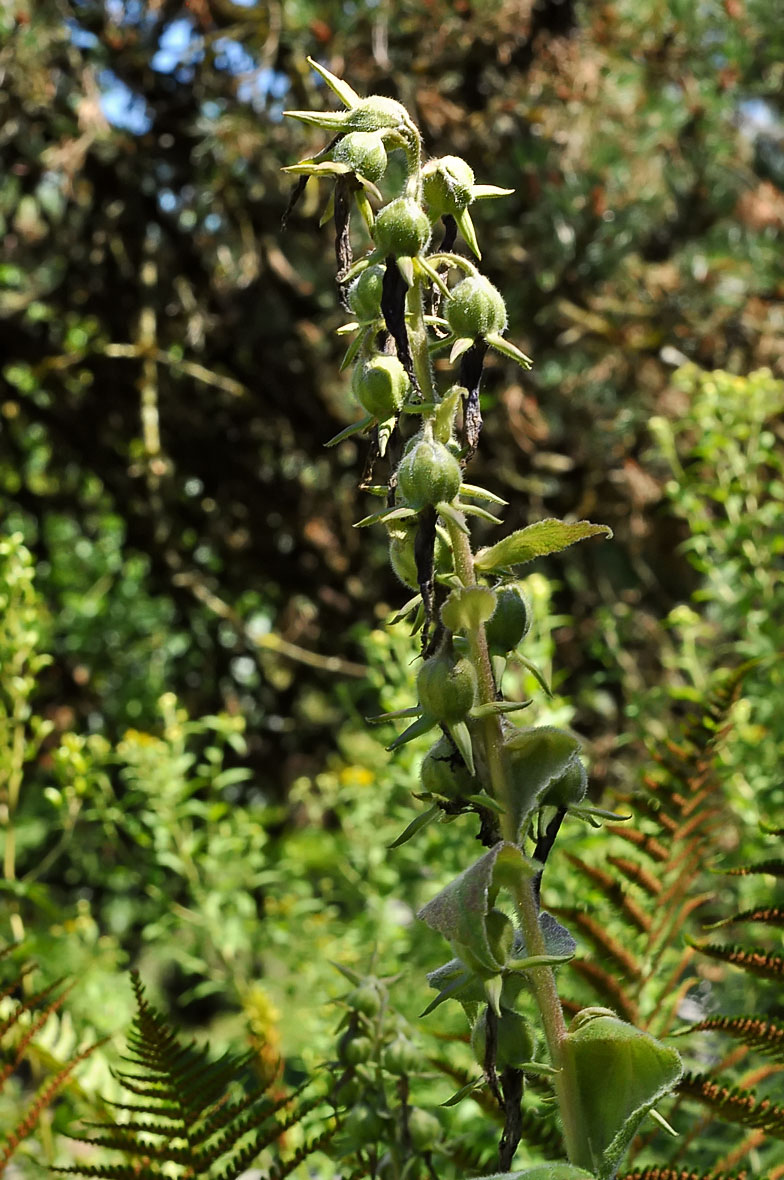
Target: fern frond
195,1121
770,915
679,1174
286,1167
27,1017
39,1104
766,1036
600,936
756,962
733,1104
614,891
637,874
773,867
647,844
608,988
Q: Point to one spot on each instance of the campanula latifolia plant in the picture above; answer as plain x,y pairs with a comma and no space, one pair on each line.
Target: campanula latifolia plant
411,297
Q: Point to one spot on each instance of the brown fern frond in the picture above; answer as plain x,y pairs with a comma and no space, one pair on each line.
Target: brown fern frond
614,892
601,937
766,1036
647,844
733,1104
679,1174
756,961
42,1099
39,1007
770,915
637,873
608,988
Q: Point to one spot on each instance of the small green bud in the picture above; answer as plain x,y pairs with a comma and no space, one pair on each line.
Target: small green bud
447,185
376,113
402,1057
475,308
350,1092
445,773
363,1126
364,152
364,294
446,688
424,1129
428,474
402,535
402,228
358,1051
380,386
570,788
365,999
511,619
516,1040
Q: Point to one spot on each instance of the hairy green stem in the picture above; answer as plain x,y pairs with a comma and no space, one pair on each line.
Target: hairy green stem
542,978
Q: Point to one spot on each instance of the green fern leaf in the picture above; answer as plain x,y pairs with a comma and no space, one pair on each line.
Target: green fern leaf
773,867
194,1123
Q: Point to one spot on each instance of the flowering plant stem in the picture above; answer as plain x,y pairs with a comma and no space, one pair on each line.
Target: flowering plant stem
521,781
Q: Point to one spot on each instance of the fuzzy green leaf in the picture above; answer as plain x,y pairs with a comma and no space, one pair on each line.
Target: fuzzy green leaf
554,1171
458,911
537,540
621,1072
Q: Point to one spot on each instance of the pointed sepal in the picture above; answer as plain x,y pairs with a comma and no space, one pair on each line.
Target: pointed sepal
345,93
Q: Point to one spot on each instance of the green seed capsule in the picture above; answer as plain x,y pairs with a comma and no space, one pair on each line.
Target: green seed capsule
363,1126
516,1041
570,788
376,113
365,999
402,535
402,1057
380,386
358,1051
364,294
445,773
475,308
424,1129
447,185
446,688
364,152
510,621
402,228
428,474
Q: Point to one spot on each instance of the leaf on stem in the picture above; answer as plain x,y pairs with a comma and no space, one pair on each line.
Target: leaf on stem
537,540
